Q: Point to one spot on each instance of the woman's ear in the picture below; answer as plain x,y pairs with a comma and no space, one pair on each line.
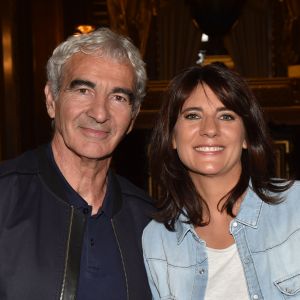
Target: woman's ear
174,143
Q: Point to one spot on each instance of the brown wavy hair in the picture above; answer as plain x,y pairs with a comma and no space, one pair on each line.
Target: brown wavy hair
177,193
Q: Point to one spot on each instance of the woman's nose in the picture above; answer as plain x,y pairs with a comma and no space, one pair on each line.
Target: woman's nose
209,127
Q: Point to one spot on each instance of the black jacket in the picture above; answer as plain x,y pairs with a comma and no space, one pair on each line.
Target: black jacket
41,234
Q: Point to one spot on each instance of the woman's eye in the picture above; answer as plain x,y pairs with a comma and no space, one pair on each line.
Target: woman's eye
192,116
227,117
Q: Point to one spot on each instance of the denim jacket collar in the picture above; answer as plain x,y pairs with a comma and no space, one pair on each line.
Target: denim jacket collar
248,215
250,209
182,228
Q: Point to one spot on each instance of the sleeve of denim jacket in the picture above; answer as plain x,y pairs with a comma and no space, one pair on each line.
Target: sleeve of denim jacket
156,261
147,240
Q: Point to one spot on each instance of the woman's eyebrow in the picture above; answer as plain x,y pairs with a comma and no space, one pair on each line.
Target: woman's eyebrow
199,108
196,108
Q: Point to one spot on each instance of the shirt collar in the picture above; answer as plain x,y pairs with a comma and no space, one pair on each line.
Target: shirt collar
250,209
182,228
248,215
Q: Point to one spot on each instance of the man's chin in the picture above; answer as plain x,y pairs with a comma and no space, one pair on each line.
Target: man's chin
91,152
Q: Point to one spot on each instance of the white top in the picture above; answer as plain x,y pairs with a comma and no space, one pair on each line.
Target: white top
226,279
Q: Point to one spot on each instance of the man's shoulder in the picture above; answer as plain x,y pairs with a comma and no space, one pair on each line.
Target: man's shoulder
15,176
135,198
131,190
25,163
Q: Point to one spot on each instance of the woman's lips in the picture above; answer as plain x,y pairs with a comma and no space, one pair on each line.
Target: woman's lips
209,149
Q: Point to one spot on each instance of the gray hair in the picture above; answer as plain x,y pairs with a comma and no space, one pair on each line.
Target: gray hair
109,44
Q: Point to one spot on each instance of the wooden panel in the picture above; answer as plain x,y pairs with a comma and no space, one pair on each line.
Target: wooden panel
279,97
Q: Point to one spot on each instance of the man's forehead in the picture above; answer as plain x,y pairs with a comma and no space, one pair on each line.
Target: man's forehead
98,54
97,70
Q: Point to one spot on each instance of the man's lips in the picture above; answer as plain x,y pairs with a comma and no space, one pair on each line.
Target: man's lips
96,132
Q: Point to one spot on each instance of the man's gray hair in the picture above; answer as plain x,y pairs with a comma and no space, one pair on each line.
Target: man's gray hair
108,44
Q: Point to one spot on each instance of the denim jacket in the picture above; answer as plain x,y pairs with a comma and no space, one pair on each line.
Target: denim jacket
268,241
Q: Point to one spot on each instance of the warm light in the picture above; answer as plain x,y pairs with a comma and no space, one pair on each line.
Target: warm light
7,52
82,29
204,37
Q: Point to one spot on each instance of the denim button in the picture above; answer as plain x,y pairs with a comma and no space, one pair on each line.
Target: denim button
247,260
234,224
202,271
255,297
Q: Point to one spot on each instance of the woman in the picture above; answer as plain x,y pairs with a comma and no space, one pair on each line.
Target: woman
226,229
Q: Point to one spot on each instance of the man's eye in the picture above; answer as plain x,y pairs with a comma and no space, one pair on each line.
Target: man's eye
191,116
83,91
120,98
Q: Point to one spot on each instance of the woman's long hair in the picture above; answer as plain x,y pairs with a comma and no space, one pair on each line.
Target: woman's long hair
177,193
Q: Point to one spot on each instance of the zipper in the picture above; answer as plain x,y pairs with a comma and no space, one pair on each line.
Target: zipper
122,259
67,253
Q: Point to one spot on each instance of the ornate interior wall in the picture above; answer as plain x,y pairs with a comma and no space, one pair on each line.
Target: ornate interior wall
262,44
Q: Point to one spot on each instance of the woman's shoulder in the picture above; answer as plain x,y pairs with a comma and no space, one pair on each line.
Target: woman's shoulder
154,229
295,185
287,192
156,235
293,193
288,205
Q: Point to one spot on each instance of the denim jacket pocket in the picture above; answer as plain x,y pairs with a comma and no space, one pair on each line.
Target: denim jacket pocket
289,285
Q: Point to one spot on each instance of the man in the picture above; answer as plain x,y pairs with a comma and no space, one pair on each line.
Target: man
69,227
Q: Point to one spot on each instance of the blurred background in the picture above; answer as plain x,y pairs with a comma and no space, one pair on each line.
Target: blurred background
258,38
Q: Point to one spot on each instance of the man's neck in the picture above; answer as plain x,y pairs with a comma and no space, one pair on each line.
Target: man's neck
88,177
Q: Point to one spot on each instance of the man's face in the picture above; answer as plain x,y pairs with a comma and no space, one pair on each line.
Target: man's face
93,110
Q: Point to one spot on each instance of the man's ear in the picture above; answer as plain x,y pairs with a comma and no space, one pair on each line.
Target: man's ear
50,101
134,115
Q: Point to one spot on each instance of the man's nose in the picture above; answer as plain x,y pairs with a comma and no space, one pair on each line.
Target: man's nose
99,109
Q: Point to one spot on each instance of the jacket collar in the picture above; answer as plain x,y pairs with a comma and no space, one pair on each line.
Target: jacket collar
48,173
51,179
250,209
114,193
182,228
248,215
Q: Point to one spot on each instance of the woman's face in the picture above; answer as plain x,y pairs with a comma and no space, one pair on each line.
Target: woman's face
209,137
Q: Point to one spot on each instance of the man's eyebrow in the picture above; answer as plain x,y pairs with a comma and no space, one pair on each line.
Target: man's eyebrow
124,91
80,82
